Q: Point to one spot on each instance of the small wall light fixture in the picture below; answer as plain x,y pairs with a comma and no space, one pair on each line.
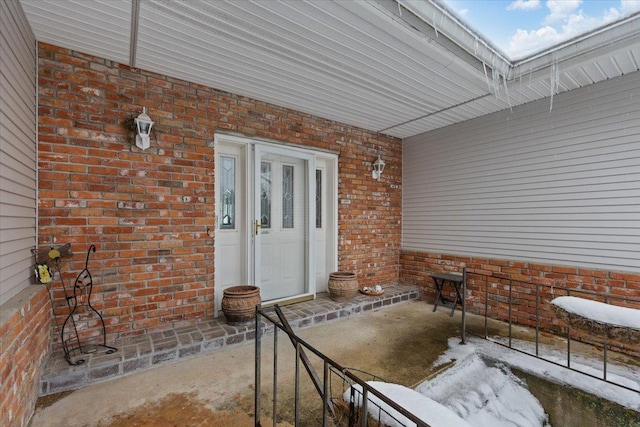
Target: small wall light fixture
143,126
378,167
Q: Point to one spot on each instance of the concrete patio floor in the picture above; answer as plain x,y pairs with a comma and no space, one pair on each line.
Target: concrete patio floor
398,343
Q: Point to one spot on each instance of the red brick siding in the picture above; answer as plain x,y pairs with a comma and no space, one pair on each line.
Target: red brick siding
496,276
148,211
24,345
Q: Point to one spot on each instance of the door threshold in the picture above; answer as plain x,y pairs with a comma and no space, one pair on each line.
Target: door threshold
288,301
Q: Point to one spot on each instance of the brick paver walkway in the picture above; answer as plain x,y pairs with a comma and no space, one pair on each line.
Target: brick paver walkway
143,352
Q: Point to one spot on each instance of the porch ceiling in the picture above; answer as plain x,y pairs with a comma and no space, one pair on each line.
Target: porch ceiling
378,64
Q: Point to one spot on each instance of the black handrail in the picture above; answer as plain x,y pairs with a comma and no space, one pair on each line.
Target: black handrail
263,315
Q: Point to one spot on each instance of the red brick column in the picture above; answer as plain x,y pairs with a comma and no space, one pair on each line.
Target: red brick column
24,345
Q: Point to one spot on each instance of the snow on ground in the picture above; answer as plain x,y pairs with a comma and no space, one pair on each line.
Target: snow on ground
485,395
600,312
422,407
616,373
481,389
626,375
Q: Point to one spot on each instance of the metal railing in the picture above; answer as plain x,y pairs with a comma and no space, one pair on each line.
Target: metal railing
336,410
515,308
519,303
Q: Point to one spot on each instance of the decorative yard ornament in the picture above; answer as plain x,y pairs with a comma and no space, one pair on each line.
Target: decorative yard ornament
43,273
143,126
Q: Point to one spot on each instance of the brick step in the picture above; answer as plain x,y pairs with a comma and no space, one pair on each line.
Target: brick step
143,352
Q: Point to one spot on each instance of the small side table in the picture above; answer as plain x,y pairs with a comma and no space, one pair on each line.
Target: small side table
458,283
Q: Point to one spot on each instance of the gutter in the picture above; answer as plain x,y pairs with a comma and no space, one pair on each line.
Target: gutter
484,56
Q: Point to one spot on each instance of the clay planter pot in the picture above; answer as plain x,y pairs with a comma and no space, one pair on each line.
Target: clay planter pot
343,285
239,303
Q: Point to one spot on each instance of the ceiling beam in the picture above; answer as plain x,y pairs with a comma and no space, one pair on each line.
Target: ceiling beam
135,19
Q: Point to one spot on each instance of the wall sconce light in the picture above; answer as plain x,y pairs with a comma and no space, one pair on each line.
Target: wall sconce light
143,126
378,167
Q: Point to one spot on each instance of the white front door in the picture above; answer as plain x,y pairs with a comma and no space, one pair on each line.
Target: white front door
283,208
276,218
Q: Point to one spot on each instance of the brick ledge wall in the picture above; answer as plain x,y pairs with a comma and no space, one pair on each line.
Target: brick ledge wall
25,343
495,275
415,267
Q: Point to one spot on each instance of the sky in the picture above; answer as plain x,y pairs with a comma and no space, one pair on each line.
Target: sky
523,27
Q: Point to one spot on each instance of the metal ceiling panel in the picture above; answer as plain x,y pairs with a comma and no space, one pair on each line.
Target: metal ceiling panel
377,64
275,49
220,57
97,27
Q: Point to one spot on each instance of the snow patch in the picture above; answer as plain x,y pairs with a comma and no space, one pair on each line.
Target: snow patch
600,312
561,375
480,390
426,409
485,395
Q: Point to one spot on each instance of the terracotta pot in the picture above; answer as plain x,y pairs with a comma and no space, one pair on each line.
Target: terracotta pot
239,303
343,285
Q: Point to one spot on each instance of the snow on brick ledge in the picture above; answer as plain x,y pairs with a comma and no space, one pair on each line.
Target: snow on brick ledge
622,322
426,409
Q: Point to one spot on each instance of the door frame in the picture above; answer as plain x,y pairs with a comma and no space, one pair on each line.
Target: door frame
330,230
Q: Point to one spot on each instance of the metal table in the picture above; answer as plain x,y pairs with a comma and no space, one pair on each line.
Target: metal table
458,283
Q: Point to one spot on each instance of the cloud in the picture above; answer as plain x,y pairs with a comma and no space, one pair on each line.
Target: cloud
463,12
525,5
564,21
629,6
525,42
580,23
560,10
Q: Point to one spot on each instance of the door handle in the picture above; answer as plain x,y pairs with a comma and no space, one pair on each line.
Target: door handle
256,227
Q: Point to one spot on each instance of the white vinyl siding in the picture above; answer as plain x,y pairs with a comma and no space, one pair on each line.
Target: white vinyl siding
559,186
18,195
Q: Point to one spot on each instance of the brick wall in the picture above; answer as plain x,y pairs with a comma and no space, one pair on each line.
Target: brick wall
148,211
24,345
491,283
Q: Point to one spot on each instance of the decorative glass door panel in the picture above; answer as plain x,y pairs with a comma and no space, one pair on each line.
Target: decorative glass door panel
227,193
282,233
